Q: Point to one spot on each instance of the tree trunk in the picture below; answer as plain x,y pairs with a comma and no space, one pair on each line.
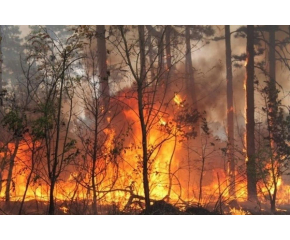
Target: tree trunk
200,180
160,38
140,85
51,197
151,57
250,120
273,111
102,66
168,56
94,205
230,113
10,171
54,175
28,179
189,75
273,199
168,48
272,82
104,98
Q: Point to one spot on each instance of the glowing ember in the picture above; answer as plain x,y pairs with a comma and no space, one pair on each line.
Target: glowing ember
239,211
162,122
177,99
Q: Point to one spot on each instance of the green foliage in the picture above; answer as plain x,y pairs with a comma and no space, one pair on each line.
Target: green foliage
45,121
14,122
279,121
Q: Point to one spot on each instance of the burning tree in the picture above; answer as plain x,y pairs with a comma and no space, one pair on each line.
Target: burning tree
54,61
250,121
98,169
152,94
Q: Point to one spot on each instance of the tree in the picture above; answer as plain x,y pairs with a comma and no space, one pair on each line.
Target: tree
250,119
55,64
99,151
230,113
274,150
152,96
189,69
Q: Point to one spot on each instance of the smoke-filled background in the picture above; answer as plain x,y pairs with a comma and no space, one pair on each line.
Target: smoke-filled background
99,124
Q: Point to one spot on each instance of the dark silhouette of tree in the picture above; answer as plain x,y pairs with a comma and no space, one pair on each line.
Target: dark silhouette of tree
250,120
230,113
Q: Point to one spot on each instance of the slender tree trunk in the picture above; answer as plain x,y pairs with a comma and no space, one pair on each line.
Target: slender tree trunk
230,114
272,81
10,171
169,170
102,66
250,118
168,47
140,86
51,197
273,111
104,102
161,67
53,175
189,75
151,58
28,179
94,206
189,69
168,30
201,180
160,39
273,199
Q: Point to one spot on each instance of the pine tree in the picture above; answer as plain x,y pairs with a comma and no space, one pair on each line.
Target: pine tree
250,120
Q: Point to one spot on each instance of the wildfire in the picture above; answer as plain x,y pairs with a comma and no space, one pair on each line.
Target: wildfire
177,99
239,211
162,122
64,209
129,181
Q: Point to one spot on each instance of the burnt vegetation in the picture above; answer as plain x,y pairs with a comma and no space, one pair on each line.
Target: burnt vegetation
177,120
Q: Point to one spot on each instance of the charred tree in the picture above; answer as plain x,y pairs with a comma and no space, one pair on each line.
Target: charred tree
101,103
159,35
151,56
250,118
273,109
54,173
230,113
10,170
140,85
102,66
168,47
189,74
168,30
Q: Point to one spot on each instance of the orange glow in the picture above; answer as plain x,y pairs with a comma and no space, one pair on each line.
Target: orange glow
239,211
177,99
162,122
124,159
230,110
